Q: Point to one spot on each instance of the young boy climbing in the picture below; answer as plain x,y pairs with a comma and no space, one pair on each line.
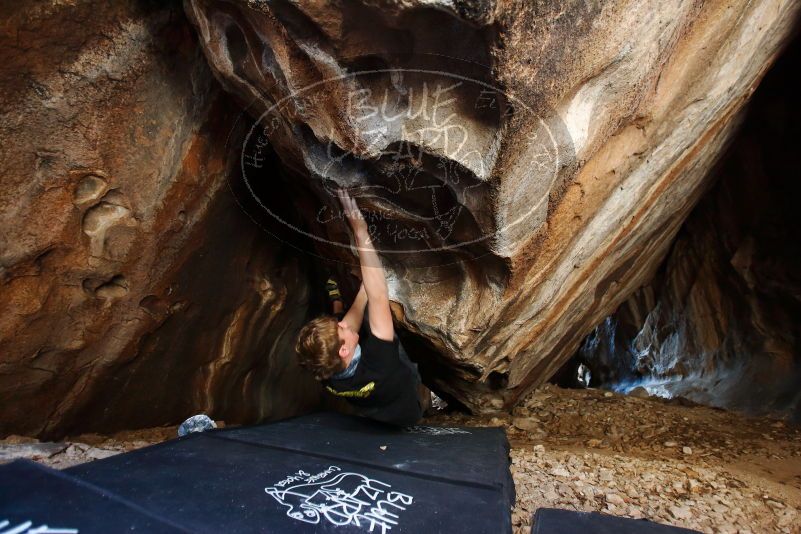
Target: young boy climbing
371,371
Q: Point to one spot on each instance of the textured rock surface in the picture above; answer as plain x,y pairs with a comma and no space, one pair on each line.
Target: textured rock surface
549,203
125,301
719,324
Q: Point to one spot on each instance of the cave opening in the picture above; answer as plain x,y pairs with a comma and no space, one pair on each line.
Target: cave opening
718,324
157,261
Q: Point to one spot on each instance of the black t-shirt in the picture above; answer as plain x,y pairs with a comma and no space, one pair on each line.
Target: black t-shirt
384,386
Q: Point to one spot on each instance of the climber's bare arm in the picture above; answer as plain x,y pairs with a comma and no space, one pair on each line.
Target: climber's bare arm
373,279
355,314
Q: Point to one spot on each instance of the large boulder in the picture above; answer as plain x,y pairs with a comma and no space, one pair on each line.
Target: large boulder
719,322
134,291
524,165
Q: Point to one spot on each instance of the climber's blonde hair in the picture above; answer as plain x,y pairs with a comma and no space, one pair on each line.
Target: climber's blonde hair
318,347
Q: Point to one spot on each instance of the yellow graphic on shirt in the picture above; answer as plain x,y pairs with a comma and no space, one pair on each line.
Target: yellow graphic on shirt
365,391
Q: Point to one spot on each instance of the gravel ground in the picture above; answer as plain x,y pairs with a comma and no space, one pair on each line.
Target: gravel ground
666,461
83,448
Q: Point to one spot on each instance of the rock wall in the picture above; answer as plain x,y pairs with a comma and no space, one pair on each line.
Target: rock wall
134,291
524,165
719,323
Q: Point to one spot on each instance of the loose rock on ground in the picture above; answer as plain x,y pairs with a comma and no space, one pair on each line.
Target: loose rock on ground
711,470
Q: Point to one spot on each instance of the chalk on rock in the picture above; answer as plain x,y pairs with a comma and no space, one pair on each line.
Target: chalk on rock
196,423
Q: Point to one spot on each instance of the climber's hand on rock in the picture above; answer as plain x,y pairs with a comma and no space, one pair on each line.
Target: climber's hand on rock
353,213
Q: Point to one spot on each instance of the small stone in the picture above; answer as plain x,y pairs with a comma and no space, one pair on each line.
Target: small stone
776,505
196,423
609,394
383,447
527,424
75,450
680,512
551,496
720,509
560,472
787,518
686,450
615,499
670,444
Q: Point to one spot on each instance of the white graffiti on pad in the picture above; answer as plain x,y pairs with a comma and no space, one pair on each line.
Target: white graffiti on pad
26,527
435,430
340,497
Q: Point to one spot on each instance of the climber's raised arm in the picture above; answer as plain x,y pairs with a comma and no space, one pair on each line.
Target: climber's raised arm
355,314
373,279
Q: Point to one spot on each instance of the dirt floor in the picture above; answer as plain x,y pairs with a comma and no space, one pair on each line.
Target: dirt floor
667,461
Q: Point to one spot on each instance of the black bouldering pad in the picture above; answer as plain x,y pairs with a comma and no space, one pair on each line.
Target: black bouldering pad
555,521
34,498
320,473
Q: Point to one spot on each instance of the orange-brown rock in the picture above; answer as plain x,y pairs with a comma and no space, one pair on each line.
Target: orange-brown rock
525,165
718,324
134,291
